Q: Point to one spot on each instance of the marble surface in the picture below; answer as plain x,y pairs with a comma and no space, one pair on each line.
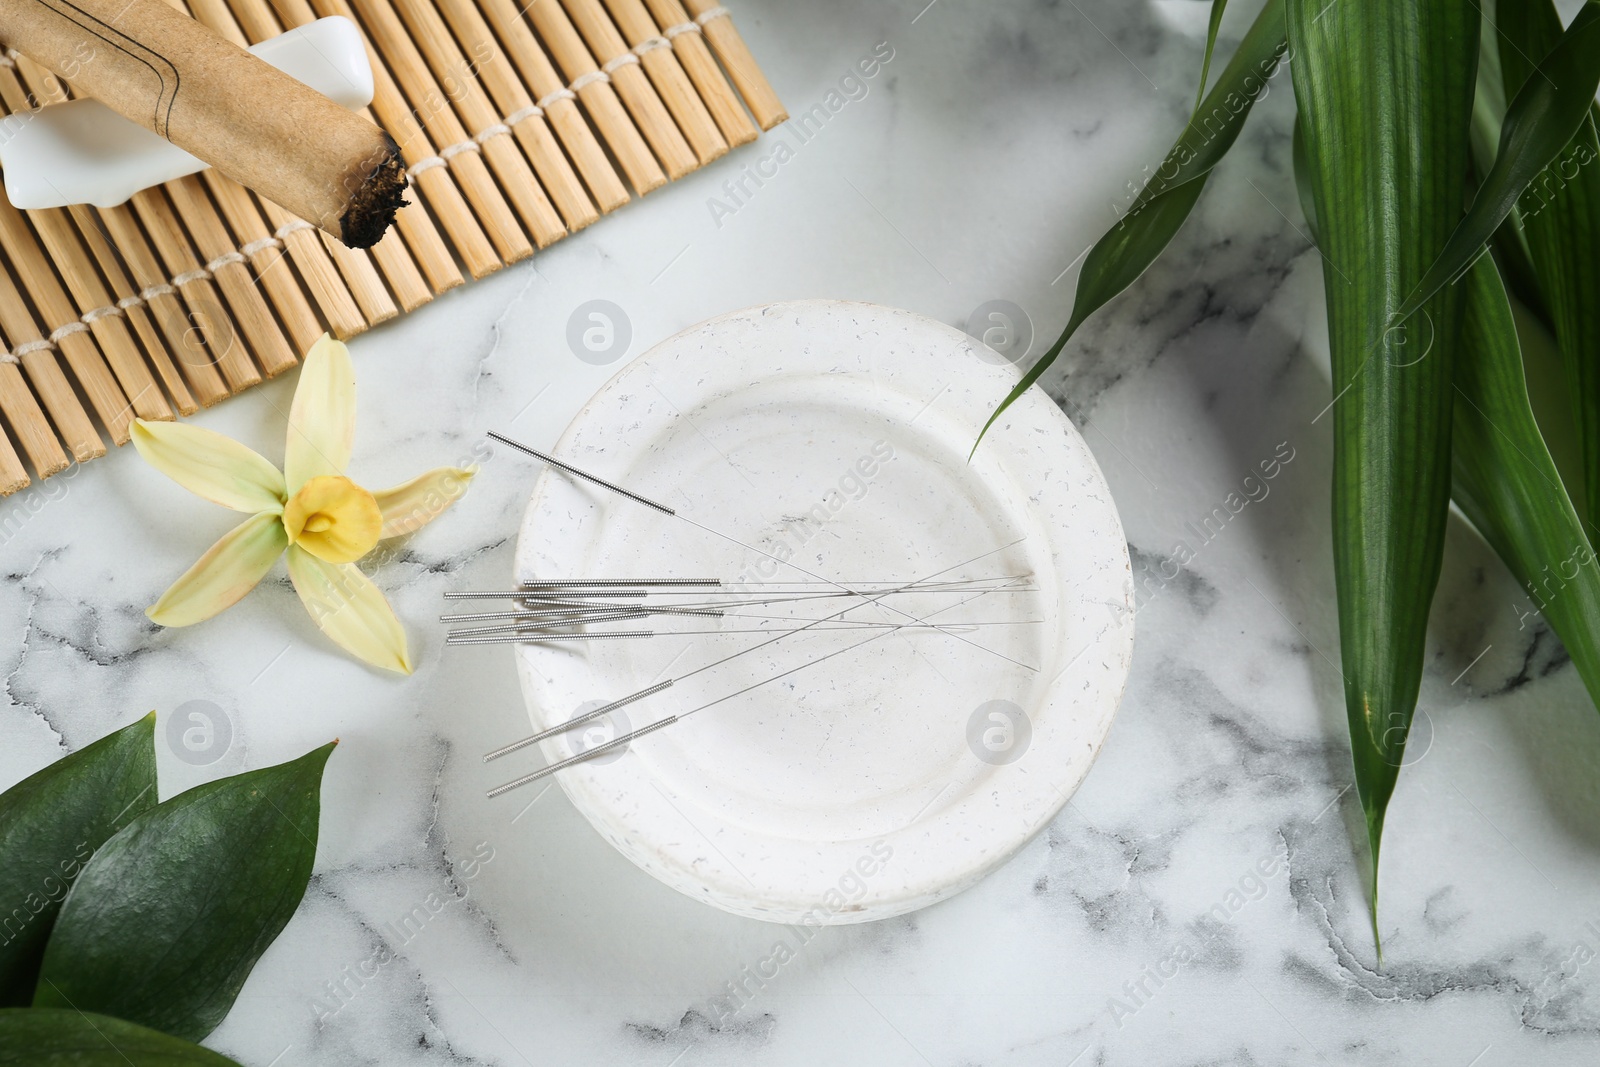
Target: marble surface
1198,902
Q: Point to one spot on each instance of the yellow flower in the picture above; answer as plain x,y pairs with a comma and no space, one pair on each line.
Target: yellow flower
322,519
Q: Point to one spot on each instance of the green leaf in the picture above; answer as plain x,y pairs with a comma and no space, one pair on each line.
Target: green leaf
1506,481
1164,203
50,1037
50,824
1302,177
1385,98
1540,120
1217,8
1559,214
169,917
1550,395
1488,114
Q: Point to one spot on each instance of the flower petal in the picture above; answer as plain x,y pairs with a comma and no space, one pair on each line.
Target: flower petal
350,610
322,420
229,569
210,465
410,506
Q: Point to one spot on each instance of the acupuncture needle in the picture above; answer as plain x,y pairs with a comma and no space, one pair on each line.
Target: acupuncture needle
509,621
634,735
775,595
547,619
533,633
537,624
573,618
596,480
589,716
542,608
533,637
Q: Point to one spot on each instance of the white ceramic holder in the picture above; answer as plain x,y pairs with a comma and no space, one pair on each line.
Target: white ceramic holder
877,776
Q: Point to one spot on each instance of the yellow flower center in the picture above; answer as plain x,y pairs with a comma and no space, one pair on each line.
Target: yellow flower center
334,519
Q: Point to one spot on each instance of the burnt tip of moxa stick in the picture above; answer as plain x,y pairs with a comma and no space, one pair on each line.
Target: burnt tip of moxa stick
377,196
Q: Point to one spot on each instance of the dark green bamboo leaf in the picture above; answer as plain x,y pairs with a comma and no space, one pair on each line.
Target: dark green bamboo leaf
1550,396
165,923
50,824
1540,120
50,1037
1510,249
1489,96
1559,215
1302,177
1217,8
1385,99
1164,203
1506,482
1488,113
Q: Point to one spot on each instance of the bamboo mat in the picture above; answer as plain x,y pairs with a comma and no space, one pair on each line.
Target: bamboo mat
519,123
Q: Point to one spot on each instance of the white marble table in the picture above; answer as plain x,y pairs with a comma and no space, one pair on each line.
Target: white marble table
1199,901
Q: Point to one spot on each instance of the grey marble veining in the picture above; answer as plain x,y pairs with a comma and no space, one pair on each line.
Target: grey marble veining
1199,901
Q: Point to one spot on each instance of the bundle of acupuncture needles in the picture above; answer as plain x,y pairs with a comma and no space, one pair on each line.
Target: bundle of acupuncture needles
764,613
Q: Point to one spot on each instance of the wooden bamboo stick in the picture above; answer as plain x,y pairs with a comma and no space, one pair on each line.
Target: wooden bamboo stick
593,88
400,270
28,421
219,340
454,74
165,307
365,285
95,308
134,309
432,112
295,240
361,274
255,228
228,268
522,115
558,103
265,262
37,356
12,475
725,40
68,333
677,92
427,245
721,99
622,66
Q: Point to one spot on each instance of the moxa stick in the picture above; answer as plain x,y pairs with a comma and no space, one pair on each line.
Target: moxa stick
208,96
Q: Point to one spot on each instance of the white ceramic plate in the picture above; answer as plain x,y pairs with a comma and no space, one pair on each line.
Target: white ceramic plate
896,773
